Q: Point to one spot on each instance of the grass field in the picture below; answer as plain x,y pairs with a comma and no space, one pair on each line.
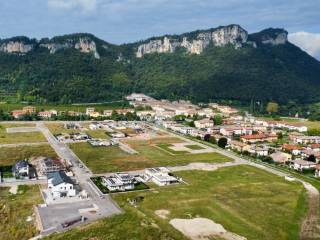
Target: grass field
112,159
63,107
10,138
14,210
10,155
245,200
194,147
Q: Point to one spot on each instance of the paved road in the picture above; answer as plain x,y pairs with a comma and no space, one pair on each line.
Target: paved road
107,206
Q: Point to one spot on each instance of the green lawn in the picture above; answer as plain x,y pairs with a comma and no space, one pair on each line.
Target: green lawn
10,155
112,159
14,210
194,147
245,200
10,138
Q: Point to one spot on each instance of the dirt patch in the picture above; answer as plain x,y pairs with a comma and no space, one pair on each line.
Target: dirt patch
162,213
310,228
13,189
203,229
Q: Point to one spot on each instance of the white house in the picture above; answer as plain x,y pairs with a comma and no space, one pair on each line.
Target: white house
60,185
160,176
259,150
119,182
90,110
302,164
204,123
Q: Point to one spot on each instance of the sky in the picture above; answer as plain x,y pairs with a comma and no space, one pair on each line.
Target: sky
122,21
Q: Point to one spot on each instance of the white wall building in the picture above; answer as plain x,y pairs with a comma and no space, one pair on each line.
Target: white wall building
60,185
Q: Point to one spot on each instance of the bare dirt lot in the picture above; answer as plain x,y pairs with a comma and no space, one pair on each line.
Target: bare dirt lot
203,228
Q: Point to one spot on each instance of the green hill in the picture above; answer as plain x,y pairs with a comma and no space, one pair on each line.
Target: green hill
219,63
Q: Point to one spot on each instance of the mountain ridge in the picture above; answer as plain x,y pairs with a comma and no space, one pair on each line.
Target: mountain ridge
202,65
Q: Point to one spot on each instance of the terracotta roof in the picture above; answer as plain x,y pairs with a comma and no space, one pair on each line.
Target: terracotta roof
291,147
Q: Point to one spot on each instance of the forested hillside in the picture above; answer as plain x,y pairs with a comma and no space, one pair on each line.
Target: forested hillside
83,68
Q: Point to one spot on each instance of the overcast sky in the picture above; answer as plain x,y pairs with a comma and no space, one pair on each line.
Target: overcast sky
120,21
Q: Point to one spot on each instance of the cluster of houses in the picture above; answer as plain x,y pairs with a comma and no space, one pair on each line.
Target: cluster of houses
244,134
119,182
72,137
260,138
55,170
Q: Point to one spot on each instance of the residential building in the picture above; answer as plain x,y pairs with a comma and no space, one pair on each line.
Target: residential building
293,149
160,176
21,169
301,165
60,185
306,139
119,182
17,113
107,113
204,123
281,157
45,114
29,109
90,110
239,146
261,137
47,165
259,150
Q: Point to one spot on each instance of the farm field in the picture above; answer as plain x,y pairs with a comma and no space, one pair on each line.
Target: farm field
15,211
13,138
112,159
9,155
247,201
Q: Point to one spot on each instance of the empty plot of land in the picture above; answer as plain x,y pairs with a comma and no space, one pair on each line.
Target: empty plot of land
9,155
16,211
113,159
246,201
203,228
13,134
22,129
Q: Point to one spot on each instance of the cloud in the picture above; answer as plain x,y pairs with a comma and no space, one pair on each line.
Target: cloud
309,42
84,5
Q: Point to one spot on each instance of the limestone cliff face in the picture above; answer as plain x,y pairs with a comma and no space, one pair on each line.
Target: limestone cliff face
222,36
54,47
16,47
84,45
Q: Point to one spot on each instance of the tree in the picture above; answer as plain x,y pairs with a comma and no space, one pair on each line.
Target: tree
311,158
206,137
222,142
217,120
272,107
212,140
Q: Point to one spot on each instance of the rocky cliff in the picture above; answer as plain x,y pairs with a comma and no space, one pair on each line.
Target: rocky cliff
24,45
83,44
219,37
16,46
